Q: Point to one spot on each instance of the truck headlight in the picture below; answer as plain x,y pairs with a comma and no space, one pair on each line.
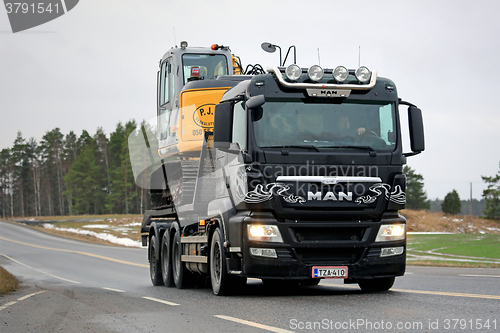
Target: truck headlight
264,233
391,232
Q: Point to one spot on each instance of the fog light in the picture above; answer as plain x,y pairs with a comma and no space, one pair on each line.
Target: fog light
259,252
391,232
340,74
392,251
315,73
264,233
363,74
293,72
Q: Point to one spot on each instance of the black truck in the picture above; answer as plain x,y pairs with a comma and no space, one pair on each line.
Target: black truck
299,179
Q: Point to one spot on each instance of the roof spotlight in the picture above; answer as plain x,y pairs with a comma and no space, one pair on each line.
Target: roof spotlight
315,73
363,74
293,72
340,74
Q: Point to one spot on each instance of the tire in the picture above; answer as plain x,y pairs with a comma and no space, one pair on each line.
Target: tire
179,271
382,284
166,261
154,263
222,282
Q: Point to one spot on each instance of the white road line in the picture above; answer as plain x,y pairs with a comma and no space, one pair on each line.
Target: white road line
160,301
55,276
6,305
111,289
253,324
30,295
478,275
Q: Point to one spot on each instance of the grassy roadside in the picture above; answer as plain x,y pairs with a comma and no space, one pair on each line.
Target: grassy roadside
8,283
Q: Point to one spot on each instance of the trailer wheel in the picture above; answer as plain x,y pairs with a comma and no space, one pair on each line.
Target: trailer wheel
154,263
222,282
179,272
381,284
166,260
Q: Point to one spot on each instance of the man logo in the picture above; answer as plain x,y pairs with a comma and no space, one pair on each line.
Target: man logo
329,196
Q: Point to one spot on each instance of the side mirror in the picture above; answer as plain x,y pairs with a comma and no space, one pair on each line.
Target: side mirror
416,123
223,125
255,101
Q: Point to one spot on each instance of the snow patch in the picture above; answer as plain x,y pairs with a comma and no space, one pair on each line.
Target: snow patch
104,236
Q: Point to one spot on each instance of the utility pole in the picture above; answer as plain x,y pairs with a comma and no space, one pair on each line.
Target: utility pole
470,203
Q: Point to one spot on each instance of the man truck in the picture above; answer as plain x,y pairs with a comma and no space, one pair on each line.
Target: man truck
290,176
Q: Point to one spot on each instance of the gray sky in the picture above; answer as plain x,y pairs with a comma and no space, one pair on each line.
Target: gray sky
96,65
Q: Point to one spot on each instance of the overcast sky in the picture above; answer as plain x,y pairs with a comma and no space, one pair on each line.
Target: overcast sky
96,65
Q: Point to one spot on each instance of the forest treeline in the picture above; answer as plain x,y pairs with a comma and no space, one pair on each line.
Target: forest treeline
70,175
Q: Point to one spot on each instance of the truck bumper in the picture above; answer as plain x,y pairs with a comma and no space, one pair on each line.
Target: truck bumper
308,244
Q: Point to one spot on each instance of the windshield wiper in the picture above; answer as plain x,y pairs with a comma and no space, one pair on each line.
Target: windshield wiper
373,152
349,147
295,146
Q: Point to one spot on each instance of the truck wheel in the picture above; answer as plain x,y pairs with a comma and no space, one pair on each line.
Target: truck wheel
222,282
166,261
179,272
381,284
154,263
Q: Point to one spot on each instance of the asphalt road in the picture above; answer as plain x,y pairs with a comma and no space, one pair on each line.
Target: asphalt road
73,286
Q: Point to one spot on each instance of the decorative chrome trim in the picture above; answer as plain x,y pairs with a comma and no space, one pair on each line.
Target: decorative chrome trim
279,75
329,179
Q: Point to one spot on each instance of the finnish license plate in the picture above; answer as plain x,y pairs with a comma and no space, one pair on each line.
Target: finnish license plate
329,272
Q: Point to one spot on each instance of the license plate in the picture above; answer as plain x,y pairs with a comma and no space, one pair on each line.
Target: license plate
329,272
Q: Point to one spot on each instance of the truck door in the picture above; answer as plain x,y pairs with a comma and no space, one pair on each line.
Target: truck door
165,103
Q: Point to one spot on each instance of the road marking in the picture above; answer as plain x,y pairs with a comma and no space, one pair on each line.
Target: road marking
38,270
444,293
30,295
160,301
6,305
77,252
478,275
111,289
253,324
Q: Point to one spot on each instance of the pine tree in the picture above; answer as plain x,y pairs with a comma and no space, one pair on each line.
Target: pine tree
451,204
416,198
492,196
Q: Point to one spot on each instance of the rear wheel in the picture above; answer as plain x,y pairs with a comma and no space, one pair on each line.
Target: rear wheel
154,263
179,271
222,282
166,261
381,284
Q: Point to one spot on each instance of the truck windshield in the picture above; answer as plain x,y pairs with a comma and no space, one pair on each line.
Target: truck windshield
203,66
350,125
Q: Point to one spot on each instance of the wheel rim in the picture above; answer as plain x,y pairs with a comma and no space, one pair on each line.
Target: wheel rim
153,262
217,262
177,263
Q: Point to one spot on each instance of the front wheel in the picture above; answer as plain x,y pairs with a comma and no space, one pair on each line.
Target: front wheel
154,263
222,282
381,284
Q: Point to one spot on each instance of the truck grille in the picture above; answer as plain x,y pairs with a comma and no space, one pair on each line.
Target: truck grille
314,234
329,255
